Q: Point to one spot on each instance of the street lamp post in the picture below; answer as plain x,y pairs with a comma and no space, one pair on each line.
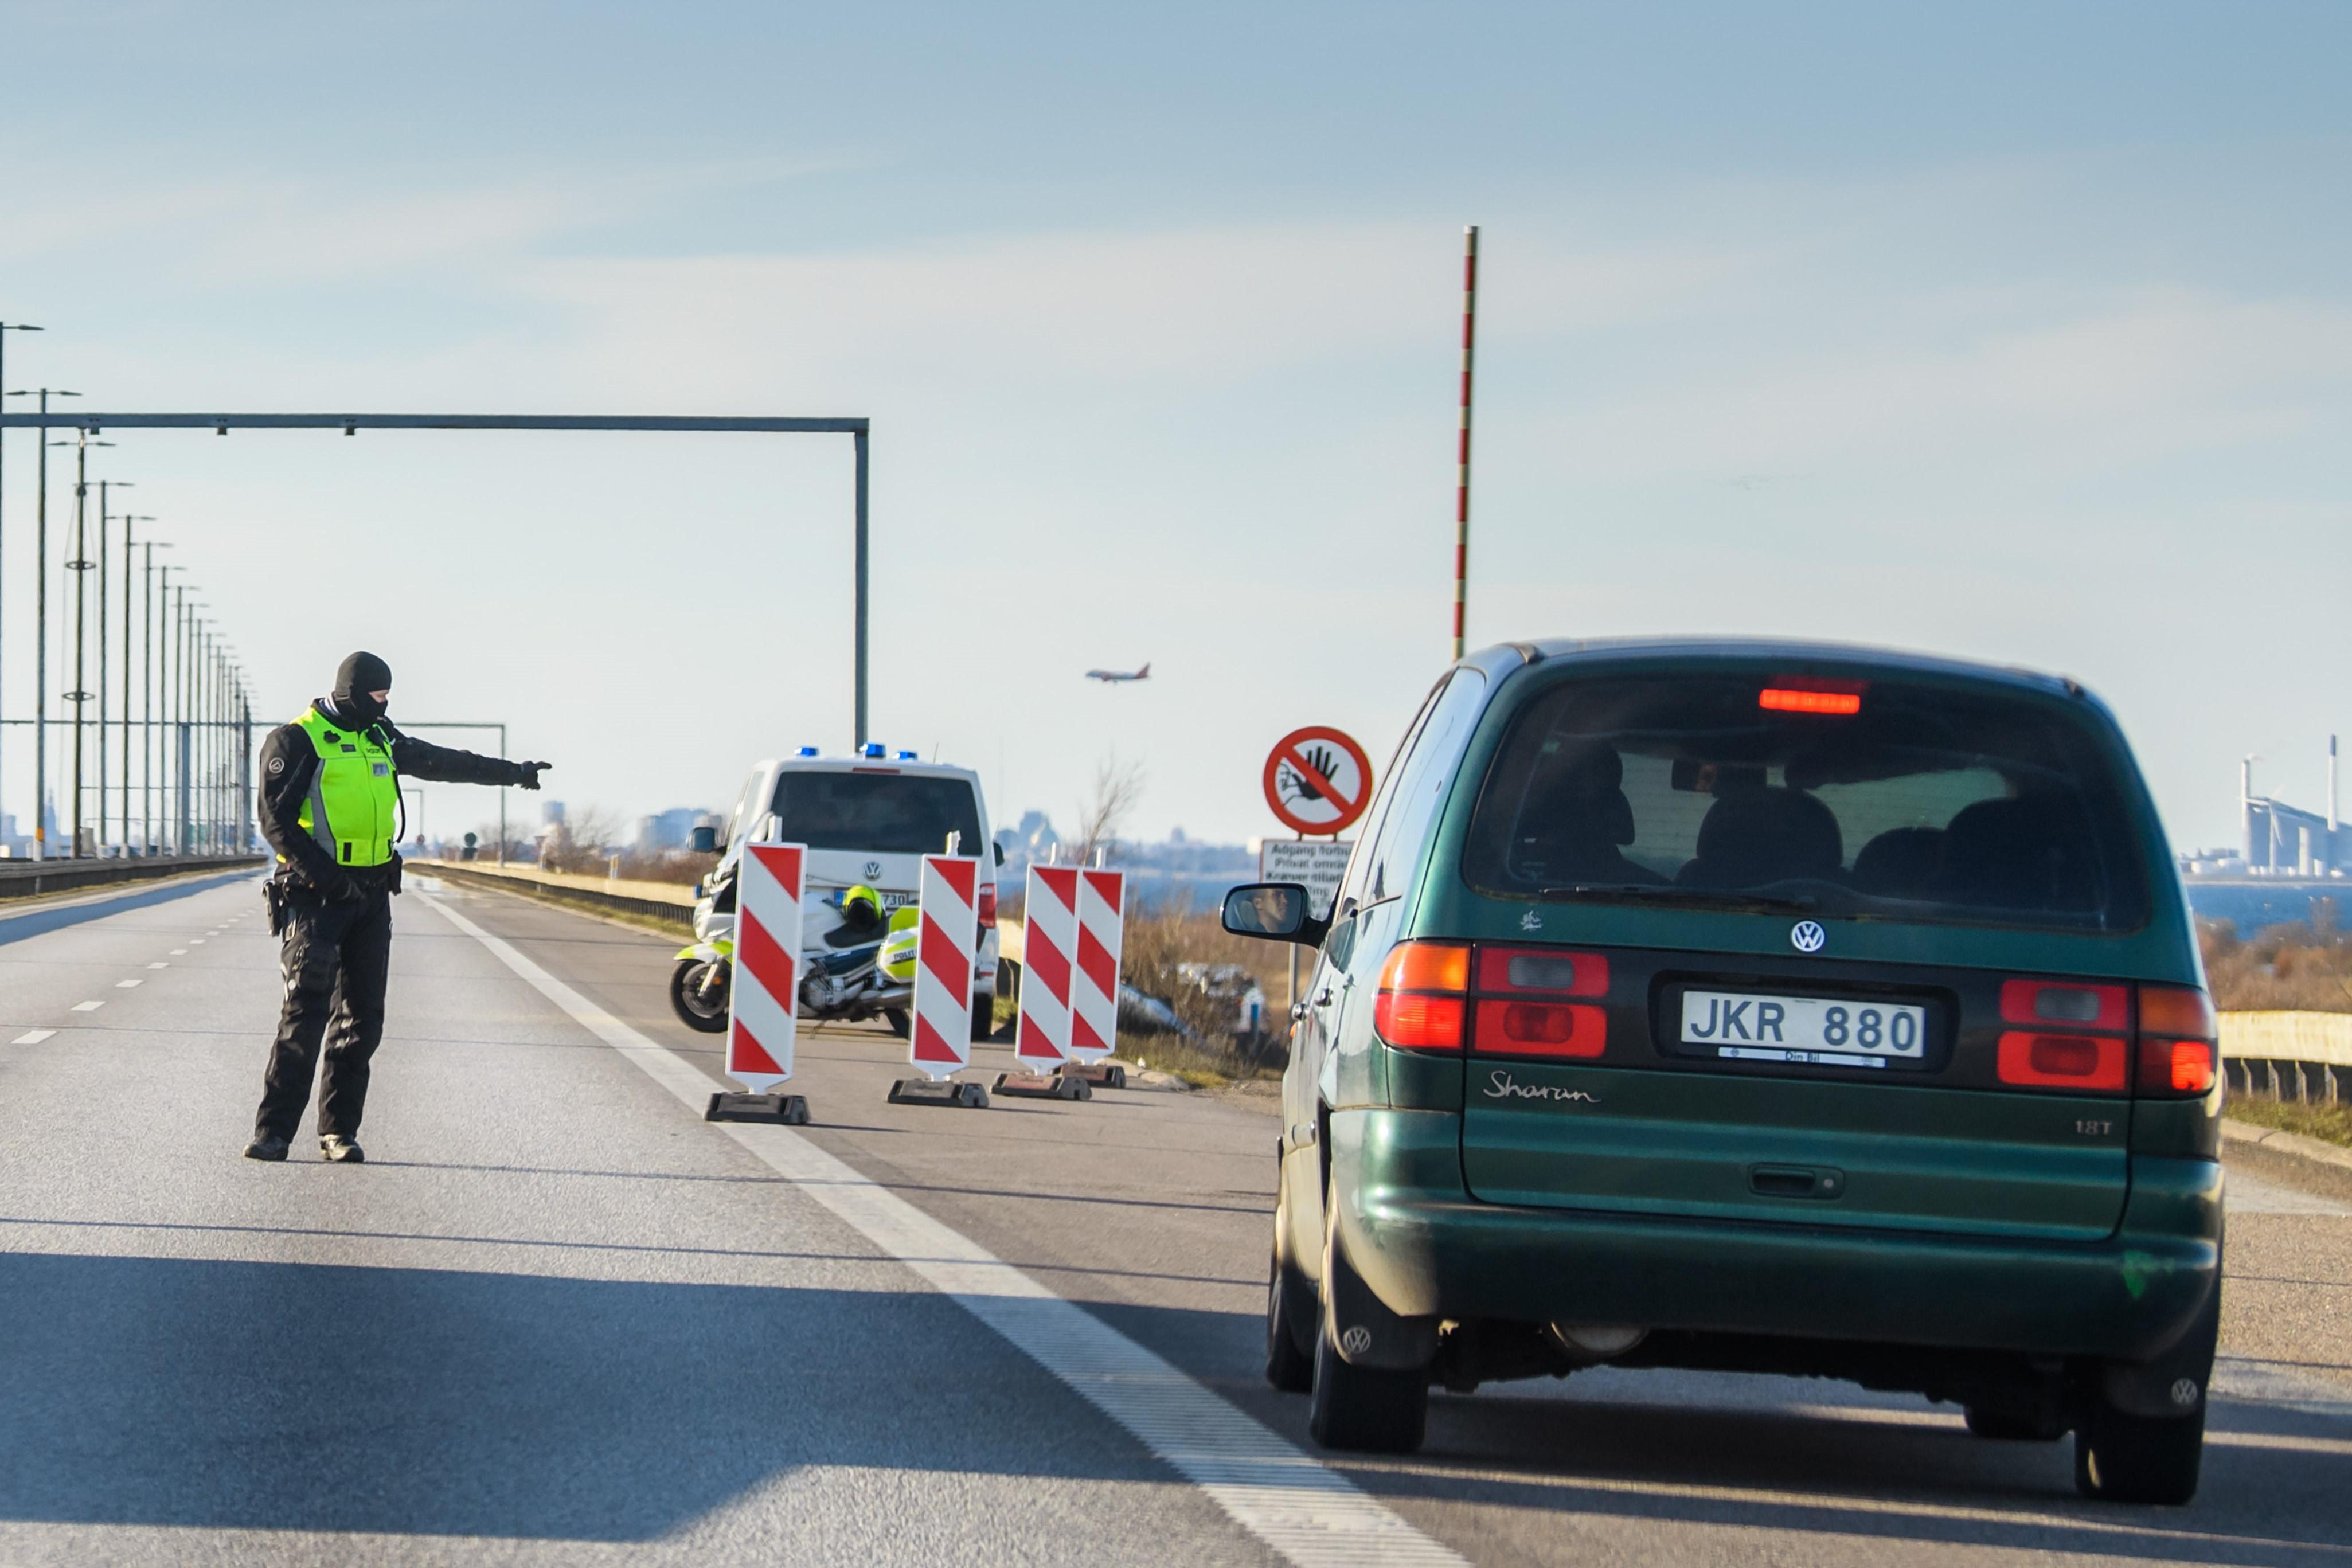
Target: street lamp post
99,566
6,328
129,519
41,629
150,752
80,566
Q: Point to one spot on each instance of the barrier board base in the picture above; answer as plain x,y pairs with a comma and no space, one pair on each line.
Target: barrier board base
1043,1086
941,1092
1101,1074
790,1110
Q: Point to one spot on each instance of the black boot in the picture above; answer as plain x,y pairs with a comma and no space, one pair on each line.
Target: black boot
265,1146
334,1146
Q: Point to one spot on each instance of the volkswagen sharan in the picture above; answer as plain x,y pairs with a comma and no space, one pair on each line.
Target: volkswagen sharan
1756,1006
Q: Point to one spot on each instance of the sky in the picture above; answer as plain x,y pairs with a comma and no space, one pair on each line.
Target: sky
2016,332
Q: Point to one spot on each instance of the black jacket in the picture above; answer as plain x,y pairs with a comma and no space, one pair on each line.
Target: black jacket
289,762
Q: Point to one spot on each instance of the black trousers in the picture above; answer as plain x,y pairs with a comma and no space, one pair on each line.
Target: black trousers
335,957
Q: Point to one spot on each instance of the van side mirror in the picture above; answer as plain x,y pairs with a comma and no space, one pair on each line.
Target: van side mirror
1276,911
703,840
999,855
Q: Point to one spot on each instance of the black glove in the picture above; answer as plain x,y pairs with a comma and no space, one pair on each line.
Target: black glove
528,773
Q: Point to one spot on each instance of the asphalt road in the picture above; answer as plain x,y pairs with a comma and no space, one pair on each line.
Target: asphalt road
558,1318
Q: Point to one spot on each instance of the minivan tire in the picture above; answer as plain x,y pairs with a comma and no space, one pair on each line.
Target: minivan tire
1363,1411
2120,1458
1289,1314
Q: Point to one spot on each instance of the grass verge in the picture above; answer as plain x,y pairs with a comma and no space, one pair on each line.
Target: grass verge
2332,1123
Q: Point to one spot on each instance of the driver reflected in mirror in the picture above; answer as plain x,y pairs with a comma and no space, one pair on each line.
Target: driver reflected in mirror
1271,909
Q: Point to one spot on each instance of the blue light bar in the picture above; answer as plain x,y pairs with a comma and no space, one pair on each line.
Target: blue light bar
805,751
876,749
907,757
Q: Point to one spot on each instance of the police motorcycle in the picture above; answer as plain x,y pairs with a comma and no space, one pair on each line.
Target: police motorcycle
855,975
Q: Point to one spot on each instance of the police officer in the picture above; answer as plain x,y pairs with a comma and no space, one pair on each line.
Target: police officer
329,806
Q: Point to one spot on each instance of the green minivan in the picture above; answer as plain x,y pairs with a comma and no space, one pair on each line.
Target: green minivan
1756,1007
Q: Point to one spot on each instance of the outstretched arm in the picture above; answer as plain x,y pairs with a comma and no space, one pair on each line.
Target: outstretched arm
417,758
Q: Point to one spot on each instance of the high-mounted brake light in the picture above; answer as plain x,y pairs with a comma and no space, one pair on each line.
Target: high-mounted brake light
1423,996
1781,699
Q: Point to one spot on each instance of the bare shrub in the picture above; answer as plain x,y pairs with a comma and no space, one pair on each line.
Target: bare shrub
1117,790
2305,967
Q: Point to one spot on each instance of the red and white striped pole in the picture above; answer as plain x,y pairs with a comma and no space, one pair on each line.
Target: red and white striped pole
1462,460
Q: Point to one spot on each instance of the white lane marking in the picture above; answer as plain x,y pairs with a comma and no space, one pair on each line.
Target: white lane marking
2247,1194
1272,1489
179,951
33,1037
88,1006
2252,1382
196,941
128,985
159,964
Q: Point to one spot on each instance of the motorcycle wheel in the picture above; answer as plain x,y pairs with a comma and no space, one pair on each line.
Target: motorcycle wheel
704,1011
898,1020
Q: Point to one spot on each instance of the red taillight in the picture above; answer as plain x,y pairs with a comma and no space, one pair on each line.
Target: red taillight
1541,1028
1423,996
2080,1035
1779,699
2063,1061
987,907
2172,1067
1523,1007
2065,1005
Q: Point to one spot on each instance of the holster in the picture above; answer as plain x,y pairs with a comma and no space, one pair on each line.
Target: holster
391,875
273,896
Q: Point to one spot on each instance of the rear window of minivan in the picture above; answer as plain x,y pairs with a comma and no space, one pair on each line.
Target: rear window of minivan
1886,798
879,812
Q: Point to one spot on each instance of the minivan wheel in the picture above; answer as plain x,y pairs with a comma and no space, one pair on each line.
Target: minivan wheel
2136,1458
1364,1411
1288,1320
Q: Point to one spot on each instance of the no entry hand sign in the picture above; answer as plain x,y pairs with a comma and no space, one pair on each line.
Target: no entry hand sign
1317,780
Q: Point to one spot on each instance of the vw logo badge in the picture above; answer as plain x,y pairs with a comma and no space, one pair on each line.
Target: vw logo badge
873,868
1806,936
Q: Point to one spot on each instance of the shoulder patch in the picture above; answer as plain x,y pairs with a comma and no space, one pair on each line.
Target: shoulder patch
277,764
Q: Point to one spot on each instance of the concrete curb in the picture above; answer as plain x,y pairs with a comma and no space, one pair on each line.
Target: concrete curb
2282,1143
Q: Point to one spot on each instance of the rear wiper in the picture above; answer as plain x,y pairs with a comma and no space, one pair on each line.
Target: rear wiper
1709,897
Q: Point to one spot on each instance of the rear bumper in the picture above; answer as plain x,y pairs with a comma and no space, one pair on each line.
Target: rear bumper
1427,1248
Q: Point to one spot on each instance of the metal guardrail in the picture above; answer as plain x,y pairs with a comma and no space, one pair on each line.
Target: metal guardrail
669,912
2302,1056
27,879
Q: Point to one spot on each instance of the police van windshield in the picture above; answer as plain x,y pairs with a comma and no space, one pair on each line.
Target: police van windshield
1901,800
885,813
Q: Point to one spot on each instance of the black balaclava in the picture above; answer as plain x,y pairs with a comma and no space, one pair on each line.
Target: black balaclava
359,676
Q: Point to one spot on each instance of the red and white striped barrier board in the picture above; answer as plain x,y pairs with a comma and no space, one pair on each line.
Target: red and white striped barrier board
760,1000
938,1040
1094,989
1049,947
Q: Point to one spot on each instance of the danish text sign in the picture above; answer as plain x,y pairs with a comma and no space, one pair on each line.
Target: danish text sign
1317,780
1317,864
939,1035
762,998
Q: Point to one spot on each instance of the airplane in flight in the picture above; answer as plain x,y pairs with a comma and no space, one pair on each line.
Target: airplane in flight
1112,678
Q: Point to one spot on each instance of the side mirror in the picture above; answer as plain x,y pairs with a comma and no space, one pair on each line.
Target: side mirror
1277,911
703,840
999,855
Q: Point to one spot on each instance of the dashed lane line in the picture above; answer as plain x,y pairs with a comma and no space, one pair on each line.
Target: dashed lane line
33,1037
128,985
159,964
88,1006
1309,1513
